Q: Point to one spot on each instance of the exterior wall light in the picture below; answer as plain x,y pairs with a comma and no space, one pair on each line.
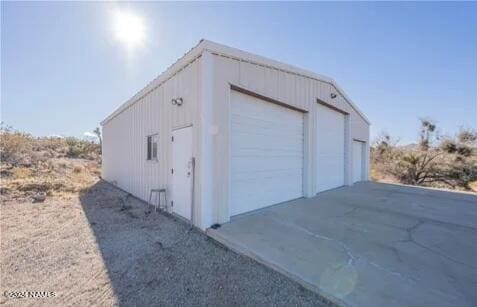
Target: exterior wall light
177,101
333,95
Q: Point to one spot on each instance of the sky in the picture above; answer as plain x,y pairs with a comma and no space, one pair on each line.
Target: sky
64,68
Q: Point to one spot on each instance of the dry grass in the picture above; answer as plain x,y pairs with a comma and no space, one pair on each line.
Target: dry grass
58,177
60,167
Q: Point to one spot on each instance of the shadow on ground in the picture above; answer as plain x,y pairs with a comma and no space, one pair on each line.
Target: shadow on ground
153,259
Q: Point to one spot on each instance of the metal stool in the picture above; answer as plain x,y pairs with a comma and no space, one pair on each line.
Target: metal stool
158,192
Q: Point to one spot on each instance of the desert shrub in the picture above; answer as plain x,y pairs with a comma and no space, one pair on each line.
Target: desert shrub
467,136
448,146
81,149
441,162
31,165
52,144
463,150
16,147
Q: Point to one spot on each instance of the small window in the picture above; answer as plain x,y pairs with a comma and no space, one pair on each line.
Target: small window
152,147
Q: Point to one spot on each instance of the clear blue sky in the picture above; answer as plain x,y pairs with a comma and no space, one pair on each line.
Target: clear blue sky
63,71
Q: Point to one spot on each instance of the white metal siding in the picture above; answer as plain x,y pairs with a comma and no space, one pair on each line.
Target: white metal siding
330,148
293,89
206,92
266,153
124,149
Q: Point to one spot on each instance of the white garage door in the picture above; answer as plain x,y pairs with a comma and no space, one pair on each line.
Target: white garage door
358,153
266,153
330,148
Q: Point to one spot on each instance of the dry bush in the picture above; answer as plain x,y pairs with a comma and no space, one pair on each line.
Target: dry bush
58,177
16,147
449,162
56,166
81,149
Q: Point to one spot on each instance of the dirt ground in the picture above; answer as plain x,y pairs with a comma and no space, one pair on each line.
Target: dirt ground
106,248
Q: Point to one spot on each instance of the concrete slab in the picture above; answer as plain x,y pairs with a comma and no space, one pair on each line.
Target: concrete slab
369,245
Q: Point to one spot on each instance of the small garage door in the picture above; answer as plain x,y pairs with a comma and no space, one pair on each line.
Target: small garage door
358,154
266,153
330,148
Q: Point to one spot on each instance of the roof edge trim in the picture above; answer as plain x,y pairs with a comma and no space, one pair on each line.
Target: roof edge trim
222,50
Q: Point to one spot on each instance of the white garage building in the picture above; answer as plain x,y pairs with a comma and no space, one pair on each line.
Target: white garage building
226,132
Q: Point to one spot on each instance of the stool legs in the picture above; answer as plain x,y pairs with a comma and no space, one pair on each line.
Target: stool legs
158,199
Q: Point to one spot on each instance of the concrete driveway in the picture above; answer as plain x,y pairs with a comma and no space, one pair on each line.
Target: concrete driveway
369,245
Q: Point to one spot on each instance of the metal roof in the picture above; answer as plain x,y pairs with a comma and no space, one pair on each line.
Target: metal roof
219,49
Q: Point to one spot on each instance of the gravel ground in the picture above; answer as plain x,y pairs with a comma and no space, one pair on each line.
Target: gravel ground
106,248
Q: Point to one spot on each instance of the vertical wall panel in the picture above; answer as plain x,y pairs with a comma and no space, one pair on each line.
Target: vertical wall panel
126,134
271,83
124,156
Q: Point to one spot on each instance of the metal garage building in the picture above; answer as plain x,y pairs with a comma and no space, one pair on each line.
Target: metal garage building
226,132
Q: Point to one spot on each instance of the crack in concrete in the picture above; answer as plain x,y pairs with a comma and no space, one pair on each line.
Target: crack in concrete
351,257
443,255
395,273
410,239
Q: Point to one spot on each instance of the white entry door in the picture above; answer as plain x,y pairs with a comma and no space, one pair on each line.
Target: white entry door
266,153
330,142
358,154
181,193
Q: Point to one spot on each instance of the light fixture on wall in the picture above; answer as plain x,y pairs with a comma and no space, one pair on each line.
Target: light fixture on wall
177,101
333,95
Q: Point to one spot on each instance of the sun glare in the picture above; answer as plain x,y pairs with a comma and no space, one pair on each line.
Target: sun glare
129,28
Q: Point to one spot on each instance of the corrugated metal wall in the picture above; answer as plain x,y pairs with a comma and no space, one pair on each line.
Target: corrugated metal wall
124,147
287,87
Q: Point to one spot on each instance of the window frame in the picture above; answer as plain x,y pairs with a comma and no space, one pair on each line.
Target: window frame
152,147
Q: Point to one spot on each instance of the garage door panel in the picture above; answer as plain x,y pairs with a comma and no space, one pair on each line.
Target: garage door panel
266,154
279,146
264,173
269,152
272,191
268,178
330,148
271,128
275,164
